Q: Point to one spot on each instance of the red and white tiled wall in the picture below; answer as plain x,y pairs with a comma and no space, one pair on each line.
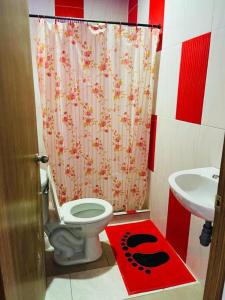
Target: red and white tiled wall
188,124
190,114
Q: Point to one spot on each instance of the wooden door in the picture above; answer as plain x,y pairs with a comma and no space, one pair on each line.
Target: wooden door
21,232
216,269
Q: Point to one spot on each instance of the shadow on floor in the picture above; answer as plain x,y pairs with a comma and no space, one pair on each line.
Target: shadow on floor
107,259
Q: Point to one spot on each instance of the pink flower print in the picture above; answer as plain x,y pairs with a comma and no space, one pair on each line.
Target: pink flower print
75,150
104,170
40,61
69,171
125,118
67,119
105,121
64,59
124,168
62,194
141,144
135,190
116,187
117,141
88,165
87,53
142,173
129,149
59,143
97,190
97,144
127,61
98,91
117,93
137,118
48,121
147,91
105,65
88,118
77,192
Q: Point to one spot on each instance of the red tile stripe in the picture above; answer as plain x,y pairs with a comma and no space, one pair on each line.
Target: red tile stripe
193,70
151,156
132,11
178,226
156,16
69,8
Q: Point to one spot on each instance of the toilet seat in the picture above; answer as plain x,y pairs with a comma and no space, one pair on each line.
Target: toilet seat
86,210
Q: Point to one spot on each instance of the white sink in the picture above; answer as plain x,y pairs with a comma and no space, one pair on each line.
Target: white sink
196,190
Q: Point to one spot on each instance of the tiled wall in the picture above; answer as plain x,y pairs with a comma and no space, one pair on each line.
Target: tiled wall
110,10
190,110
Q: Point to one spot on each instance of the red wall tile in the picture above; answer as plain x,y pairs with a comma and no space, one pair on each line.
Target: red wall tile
69,8
132,11
178,226
193,70
151,156
156,16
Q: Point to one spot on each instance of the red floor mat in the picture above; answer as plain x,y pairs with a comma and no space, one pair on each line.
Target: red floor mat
146,260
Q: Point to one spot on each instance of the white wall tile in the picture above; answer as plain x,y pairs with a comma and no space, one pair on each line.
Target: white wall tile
58,288
209,147
186,19
175,146
158,201
98,284
42,7
214,101
143,11
168,82
197,255
219,14
110,10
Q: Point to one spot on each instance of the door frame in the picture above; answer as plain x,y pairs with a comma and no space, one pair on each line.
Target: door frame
216,267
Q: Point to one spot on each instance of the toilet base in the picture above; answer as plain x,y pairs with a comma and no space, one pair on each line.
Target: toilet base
92,250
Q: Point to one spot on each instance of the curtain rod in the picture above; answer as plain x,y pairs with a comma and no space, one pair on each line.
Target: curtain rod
94,21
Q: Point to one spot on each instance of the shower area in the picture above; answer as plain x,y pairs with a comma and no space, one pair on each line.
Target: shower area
95,91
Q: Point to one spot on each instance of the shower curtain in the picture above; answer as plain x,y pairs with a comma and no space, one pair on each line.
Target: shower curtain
96,86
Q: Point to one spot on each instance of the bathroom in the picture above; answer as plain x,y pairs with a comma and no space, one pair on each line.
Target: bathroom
128,121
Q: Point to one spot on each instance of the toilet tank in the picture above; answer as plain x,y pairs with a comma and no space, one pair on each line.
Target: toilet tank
44,190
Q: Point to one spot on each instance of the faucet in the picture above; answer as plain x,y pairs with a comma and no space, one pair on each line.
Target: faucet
214,176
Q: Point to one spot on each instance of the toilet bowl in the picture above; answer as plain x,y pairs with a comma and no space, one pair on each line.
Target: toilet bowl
76,237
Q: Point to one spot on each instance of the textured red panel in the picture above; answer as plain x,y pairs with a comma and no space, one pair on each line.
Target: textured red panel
156,16
193,70
178,225
132,11
69,8
74,3
151,156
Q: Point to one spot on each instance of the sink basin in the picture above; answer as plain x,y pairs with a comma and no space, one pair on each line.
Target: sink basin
196,190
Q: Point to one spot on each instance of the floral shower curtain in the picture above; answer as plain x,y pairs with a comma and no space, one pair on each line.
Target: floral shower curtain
96,86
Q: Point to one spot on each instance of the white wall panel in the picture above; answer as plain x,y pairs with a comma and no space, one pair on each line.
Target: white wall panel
219,14
185,19
197,255
42,7
168,82
175,146
110,10
214,101
143,11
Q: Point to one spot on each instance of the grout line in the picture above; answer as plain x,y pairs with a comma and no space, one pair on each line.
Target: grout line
71,291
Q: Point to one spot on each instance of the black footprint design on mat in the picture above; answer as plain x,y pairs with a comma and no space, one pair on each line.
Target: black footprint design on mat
137,239
140,260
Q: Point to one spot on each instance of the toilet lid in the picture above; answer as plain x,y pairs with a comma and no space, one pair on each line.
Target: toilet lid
86,210
43,177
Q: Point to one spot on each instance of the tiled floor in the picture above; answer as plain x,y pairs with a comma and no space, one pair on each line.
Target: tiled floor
101,280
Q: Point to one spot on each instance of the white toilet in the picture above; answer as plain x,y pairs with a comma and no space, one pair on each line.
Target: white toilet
76,237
